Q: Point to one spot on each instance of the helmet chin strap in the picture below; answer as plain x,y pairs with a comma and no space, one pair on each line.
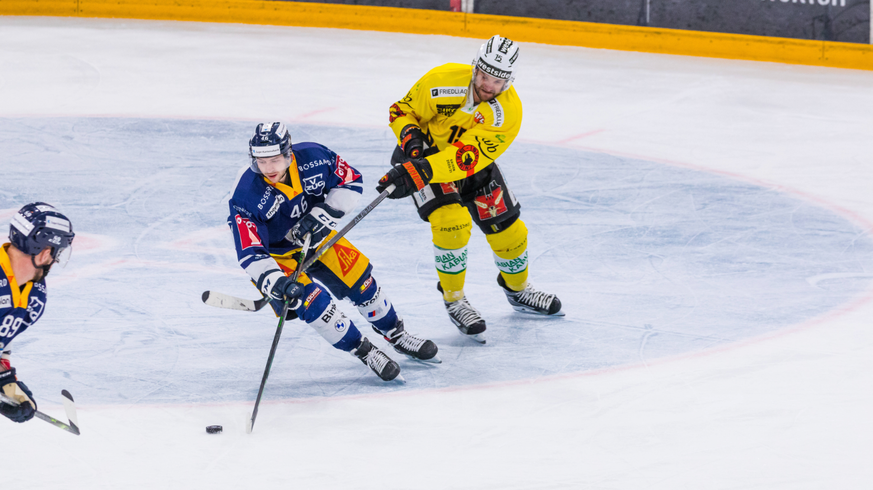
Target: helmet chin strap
44,268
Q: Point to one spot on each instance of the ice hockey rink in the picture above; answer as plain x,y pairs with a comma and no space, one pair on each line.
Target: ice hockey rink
706,223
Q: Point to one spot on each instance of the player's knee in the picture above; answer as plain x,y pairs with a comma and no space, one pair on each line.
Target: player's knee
451,226
321,312
316,300
511,241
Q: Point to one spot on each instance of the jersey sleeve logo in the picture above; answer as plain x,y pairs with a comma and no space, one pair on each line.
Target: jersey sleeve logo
345,172
248,233
394,112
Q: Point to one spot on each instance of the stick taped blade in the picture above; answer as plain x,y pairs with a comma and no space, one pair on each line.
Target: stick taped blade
70,408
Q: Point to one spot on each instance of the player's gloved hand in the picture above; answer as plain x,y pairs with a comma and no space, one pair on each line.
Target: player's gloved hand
18,391
284,289
412,141
407,178
318,223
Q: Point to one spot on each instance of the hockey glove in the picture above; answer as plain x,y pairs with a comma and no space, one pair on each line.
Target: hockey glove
284,289
412,141
318,223
19,392
407,178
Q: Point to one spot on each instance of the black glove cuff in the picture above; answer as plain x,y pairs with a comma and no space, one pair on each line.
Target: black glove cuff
7,377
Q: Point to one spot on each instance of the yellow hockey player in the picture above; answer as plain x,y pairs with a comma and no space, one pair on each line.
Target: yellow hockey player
451,127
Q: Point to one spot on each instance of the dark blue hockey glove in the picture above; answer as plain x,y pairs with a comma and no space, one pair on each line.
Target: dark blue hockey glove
19,392
407,178
318,223
286,289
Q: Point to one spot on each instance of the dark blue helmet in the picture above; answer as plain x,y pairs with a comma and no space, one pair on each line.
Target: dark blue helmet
270,139
39,225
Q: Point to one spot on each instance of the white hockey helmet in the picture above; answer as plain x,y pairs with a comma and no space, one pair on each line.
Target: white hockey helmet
497,58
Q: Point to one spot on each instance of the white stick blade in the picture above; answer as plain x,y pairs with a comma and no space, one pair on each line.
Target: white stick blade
70,408
220,300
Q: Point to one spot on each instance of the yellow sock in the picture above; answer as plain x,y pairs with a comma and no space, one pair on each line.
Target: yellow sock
510,254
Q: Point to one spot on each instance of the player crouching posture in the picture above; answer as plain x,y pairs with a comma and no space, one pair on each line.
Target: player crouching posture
451,127
286,194
39,236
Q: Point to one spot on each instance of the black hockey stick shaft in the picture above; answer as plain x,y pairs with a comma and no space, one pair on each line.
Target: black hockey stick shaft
345,229
57,423
297,271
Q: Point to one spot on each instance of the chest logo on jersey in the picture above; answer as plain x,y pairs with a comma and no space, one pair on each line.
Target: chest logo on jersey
5,301
348,257
345,172
34,308
248,233
275,207
3,283
492,204
314,185
448,92
467,157
447,109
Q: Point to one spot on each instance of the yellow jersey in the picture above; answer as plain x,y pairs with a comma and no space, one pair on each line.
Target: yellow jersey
469,136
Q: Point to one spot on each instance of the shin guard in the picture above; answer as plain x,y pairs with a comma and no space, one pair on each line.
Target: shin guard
510,254
451,225
321,312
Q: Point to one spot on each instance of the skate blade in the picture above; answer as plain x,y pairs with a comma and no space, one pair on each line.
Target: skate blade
522,309
400,379
478,337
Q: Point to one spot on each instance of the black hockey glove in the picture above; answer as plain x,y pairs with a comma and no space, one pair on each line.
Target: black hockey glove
412,141
318,223
407,178
19,392
286,289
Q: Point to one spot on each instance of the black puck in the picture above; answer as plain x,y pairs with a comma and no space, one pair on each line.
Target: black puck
213,429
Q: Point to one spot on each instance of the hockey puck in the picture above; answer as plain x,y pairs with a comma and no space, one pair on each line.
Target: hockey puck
213,429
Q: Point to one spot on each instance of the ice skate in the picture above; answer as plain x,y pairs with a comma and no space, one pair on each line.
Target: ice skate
529,300
410,345
378,361
465,317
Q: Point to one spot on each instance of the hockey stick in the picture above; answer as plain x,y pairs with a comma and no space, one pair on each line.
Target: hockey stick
73,426
221,300
303,252
351,224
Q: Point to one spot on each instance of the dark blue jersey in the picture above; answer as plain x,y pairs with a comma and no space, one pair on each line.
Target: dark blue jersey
21,305
262,213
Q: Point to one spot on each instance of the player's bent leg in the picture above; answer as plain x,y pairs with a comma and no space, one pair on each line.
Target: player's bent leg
320,311
376,307
451,226
510,256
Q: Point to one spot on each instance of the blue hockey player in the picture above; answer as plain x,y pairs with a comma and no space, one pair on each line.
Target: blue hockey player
40,236
287,193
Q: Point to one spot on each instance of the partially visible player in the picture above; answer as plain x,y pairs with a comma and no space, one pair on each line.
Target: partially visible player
39,237
289,192
451,127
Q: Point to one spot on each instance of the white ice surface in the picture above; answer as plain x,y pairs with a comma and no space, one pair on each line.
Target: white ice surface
715,266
